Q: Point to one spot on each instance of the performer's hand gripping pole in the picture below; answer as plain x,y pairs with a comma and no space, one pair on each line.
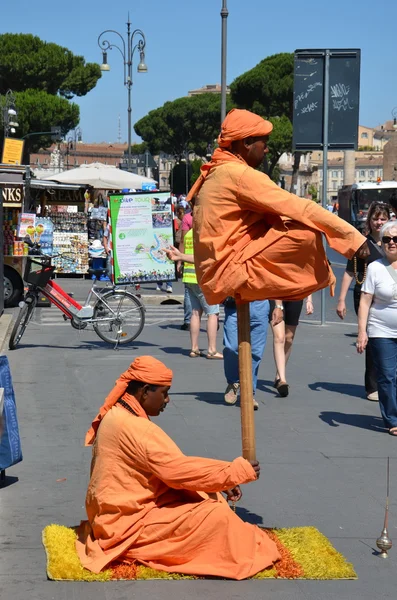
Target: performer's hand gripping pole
245,370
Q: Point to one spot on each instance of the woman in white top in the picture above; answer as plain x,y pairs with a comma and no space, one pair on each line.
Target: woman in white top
377,323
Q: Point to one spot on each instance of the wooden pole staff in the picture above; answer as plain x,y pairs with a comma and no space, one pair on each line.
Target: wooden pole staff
245,371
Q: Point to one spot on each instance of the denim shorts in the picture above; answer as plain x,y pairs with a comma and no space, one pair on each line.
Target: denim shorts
199,302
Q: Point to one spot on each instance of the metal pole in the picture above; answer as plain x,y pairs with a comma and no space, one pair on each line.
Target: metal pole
224,16
187,173
129,84
325,159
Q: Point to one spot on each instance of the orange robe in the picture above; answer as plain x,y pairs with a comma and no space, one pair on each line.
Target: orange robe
147,501
254,239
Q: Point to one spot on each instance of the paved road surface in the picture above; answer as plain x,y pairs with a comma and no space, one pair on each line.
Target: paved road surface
322,450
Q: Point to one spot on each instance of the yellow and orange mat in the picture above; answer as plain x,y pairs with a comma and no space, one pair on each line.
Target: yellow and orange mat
305,554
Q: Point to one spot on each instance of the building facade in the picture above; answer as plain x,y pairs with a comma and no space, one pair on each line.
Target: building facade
66,156
368,167
212,88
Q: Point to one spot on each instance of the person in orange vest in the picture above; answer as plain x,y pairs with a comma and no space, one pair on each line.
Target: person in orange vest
197,301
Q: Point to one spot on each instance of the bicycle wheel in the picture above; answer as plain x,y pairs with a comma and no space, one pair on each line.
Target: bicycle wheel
118,317
25,314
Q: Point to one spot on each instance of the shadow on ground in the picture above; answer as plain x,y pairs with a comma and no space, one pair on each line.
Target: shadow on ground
186,352
7,481
334,419
209,397
248,516
347,389
265,385
95,345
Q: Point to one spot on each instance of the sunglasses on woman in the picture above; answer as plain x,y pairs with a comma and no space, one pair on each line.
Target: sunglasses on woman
387,239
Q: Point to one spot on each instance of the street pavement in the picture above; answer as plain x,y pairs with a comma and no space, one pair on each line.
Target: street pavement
322,450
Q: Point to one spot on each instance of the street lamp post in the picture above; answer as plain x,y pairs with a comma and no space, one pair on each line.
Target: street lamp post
224,16
185,160
127,52
71,143
9,114
187,173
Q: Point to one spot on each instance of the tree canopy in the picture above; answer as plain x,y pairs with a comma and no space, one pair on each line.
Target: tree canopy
137,148
27,62
186,124
191,124
280,141
44,77
39,111
267,89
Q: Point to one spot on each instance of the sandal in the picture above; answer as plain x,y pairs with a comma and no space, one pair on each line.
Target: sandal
283,388
195,354
215,355
276,382
393,431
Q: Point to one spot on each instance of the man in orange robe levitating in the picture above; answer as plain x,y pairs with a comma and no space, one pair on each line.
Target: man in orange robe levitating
253,239
148,502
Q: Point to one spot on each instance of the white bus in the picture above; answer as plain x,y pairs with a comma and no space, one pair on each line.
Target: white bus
354,200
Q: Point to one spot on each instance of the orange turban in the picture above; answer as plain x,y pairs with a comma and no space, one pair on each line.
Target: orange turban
144,368
240,124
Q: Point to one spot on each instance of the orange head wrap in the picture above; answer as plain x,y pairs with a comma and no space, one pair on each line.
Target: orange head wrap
240,124
144,368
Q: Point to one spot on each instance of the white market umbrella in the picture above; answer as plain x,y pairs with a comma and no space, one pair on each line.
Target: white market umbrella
102,177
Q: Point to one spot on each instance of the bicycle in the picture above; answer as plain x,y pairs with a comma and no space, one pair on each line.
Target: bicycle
117,316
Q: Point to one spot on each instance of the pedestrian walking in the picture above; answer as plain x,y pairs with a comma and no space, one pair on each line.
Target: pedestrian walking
259,317
284,331
378,215
377,323
186,225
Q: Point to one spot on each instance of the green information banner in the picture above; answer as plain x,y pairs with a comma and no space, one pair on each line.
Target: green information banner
141,228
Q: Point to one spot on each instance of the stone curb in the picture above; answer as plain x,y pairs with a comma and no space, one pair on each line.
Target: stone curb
6,320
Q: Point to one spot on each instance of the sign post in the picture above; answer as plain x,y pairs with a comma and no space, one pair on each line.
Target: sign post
325,164
326,107
12,151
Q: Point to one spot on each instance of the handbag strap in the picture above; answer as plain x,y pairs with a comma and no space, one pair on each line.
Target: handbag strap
392,271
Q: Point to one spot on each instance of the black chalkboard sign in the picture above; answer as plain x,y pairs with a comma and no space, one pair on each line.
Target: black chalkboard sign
308,100
343,99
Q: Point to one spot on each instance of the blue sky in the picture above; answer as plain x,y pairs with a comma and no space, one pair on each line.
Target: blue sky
183,47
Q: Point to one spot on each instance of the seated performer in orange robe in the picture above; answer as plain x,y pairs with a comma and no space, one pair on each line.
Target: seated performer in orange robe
252,238
148,502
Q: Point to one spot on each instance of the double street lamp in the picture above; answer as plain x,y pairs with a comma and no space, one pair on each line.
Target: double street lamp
126,50
9,114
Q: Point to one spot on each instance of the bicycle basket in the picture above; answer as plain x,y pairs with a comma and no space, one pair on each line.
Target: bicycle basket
38,272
